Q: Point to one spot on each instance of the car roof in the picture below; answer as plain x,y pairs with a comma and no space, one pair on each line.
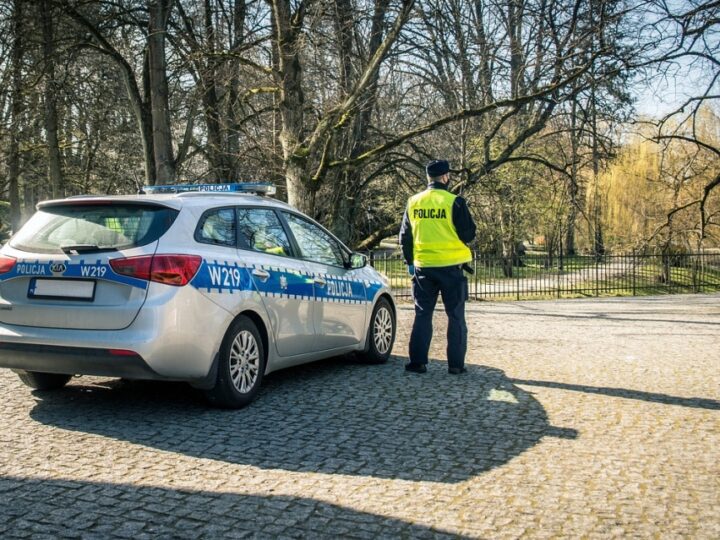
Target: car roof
174,200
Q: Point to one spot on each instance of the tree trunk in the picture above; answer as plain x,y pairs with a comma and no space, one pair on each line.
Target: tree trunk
598,241
161,134
517,68
17,106
298,192
349,183
143,114
232,112
573,187
507,235
344,207
344,30
286,27
211,103
51,95
486,54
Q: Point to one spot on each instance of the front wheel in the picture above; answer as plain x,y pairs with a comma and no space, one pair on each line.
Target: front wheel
43,381
241,365
381,334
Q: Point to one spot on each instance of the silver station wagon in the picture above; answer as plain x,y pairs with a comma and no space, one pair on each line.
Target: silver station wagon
213,284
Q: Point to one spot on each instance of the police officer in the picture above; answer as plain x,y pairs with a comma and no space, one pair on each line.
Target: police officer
435,229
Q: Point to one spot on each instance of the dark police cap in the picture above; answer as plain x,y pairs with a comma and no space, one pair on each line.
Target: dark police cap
437,167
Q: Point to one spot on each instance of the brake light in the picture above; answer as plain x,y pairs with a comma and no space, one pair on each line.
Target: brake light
7,264
137,267
175,270
122,352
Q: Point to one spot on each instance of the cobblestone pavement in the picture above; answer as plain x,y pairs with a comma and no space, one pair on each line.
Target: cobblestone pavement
582,418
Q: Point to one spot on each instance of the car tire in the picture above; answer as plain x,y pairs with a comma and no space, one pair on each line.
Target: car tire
381,333
43,381
241,365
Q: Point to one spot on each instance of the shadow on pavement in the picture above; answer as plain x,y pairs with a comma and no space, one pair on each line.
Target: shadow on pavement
335,416
652,397
70,508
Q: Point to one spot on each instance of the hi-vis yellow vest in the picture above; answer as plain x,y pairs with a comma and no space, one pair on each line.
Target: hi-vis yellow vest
435,241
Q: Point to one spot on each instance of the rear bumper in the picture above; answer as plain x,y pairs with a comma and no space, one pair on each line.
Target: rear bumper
75,360
175,336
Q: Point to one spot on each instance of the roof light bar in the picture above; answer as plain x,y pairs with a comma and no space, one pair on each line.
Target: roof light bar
258,188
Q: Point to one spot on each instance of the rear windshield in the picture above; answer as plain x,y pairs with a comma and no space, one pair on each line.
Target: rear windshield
93,227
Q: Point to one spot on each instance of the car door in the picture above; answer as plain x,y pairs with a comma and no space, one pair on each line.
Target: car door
340,299
280,277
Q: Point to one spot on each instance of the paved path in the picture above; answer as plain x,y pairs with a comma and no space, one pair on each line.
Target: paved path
594,418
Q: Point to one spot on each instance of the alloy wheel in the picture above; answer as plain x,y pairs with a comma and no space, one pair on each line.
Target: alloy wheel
244,361
383,330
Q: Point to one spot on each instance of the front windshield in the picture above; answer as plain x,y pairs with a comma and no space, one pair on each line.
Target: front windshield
90,227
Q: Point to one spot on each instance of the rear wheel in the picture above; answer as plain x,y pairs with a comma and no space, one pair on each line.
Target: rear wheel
381,334
241,365
43,381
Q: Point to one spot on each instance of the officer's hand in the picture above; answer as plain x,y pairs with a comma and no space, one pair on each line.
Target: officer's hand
411,269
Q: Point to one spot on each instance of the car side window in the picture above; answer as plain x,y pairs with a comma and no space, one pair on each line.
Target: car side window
315,244
217,227
259,229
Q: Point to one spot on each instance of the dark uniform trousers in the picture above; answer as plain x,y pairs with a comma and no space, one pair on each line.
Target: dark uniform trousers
452,284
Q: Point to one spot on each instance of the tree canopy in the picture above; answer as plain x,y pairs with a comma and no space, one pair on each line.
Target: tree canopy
341,102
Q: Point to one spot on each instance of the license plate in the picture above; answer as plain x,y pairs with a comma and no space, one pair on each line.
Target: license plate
62,289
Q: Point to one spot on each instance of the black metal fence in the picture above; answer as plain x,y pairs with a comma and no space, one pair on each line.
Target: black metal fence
540,276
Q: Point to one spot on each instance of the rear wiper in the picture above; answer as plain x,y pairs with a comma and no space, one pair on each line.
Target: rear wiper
85,248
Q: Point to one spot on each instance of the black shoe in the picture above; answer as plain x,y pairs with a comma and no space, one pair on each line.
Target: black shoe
415,368
456,370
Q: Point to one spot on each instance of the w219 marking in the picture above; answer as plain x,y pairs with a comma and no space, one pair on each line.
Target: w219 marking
93,271
225,277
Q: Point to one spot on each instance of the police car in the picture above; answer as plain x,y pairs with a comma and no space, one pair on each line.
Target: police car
213,284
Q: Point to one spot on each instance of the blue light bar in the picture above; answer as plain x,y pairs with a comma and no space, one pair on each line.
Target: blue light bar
242,187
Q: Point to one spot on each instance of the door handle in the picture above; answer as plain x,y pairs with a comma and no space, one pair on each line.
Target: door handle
261,274
320,282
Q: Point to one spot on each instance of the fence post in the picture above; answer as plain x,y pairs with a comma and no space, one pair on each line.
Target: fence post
597,275
559,280
475,274
634,265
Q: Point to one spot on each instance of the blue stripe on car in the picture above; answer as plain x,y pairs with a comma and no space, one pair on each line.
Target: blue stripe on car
81,270
226,277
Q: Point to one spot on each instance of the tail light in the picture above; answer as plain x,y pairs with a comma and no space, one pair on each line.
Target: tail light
122,352
175,270
137,267
7,264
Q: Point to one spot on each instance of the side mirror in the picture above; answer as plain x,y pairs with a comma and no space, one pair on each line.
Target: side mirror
358,260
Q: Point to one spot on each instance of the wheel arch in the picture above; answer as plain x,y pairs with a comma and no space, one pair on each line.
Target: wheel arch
208,381
260,324
387,296
383,295
390,300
